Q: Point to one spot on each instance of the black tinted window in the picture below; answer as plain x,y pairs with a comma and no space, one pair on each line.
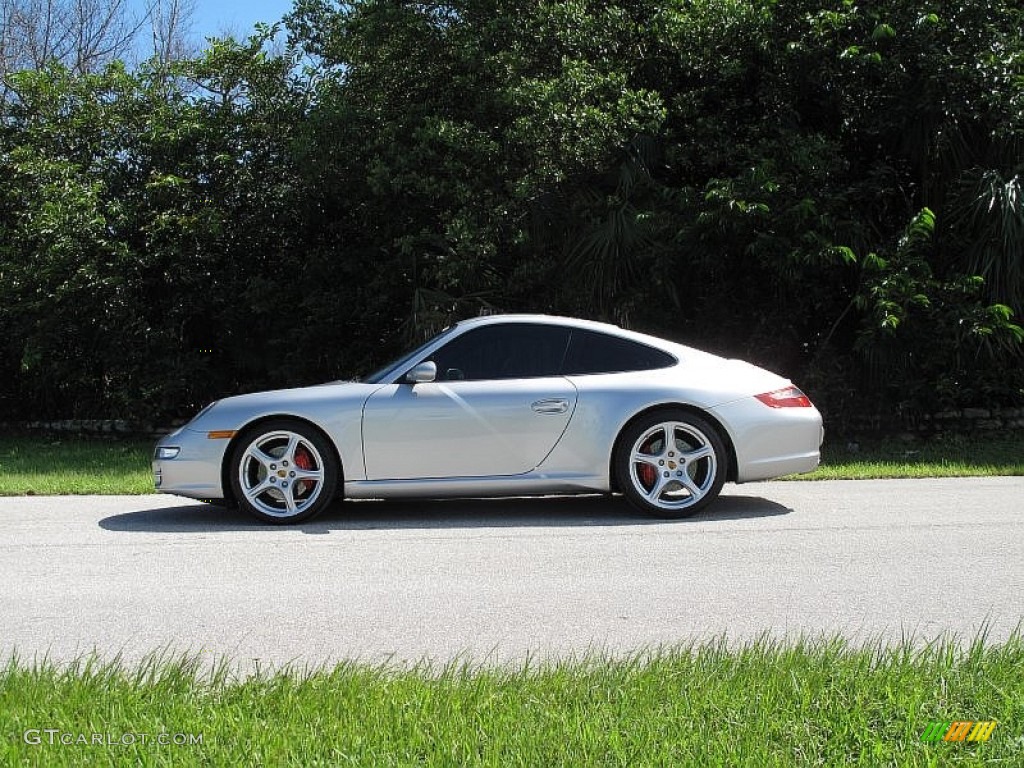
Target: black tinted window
513,351
593,352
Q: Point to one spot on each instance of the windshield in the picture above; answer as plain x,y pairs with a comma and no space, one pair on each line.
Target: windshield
395,366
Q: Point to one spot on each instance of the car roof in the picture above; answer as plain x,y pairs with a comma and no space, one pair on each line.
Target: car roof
575,322
538,318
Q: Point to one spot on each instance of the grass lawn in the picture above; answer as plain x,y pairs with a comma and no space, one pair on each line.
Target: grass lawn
949,455
73,465
70,465
763,704
943,456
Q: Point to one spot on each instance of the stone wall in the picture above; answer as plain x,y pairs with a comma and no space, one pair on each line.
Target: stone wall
964,420
977,419
93,427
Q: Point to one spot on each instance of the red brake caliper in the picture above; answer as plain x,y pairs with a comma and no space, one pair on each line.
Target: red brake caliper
303,461
648,475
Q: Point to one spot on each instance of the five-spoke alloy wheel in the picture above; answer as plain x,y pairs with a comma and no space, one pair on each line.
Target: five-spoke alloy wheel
670,463
283,471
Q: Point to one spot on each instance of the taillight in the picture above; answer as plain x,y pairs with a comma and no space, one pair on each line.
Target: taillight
789,397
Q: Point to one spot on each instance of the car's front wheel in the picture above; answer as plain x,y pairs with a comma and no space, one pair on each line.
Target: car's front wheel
670,463
283,471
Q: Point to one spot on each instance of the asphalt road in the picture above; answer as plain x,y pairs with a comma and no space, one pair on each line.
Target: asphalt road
497,580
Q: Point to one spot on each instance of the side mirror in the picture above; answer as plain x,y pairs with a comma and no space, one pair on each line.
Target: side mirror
422,373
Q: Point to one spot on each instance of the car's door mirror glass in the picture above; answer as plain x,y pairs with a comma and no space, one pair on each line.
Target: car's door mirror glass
422,373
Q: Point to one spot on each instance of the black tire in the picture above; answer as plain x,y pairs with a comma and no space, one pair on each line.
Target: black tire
679,480
280,487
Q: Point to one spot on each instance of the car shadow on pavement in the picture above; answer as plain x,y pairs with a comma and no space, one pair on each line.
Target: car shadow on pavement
553,512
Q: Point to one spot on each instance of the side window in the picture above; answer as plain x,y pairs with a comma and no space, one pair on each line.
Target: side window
593,352
509,351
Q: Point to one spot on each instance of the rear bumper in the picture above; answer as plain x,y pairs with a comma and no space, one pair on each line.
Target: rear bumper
771,442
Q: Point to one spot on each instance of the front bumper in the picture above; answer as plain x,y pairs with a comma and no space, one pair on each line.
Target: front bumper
196,471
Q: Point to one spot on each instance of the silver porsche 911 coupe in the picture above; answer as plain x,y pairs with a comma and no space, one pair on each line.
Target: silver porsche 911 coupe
503,405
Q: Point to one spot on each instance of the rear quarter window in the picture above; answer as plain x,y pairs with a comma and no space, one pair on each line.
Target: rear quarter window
595,352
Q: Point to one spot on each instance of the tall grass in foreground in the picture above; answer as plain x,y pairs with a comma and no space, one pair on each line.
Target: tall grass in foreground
763,704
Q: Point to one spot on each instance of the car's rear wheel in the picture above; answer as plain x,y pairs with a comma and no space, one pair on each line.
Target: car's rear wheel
670,463
284,471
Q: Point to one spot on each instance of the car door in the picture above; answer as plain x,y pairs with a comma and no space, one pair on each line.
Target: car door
497,408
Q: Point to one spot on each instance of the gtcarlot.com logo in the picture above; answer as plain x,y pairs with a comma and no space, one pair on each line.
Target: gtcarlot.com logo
57,737
958,730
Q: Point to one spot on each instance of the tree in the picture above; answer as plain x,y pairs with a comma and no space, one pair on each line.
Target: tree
87,35
171,30
84,35
829,189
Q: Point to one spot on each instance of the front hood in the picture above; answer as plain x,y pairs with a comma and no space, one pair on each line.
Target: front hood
306,402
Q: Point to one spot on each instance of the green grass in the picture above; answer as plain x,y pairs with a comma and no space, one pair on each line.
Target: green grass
55,466
763,704
940,456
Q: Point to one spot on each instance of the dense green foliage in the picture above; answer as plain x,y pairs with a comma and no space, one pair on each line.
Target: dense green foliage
766,703
830,189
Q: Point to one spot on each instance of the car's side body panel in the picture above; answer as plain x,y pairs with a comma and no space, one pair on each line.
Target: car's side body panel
536,483
464,428
333,408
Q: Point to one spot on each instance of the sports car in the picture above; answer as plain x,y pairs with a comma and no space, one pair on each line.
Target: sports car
502,405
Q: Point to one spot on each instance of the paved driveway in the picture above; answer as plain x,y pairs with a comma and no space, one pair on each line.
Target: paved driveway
499,579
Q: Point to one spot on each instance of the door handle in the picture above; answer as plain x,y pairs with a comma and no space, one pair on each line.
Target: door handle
551,405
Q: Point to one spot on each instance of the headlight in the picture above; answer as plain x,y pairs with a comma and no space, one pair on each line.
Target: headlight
167,452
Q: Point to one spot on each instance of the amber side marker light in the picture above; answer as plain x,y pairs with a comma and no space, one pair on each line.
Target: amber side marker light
788,397
221,434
